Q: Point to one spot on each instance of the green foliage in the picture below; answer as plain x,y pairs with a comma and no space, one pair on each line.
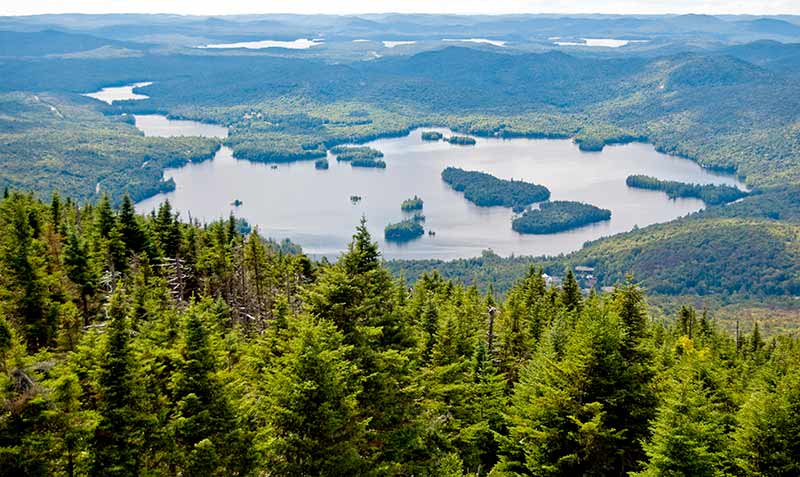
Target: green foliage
711,194
56,143
321,164
431,136
461,140
557,216
232,356
371,163
349,153
412,204
403,231
486,190
316,427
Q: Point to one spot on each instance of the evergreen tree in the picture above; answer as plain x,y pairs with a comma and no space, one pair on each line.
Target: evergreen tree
207,435
566,411
357,294
313,395
167,230
119,434
571,293
104,217
689,430
767,438
79,270
131,231
23,274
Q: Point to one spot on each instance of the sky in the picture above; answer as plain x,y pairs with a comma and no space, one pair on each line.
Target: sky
223,7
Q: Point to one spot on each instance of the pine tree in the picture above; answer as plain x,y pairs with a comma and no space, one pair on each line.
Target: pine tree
566,411
756,343
635,399
430,326
571,293
316,427
689,430
767,437
129,227
206,430
23,274
119,434
167,230
79,270
73,425
357,294
104,217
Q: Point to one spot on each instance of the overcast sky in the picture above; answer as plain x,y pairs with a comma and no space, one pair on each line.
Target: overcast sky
221,7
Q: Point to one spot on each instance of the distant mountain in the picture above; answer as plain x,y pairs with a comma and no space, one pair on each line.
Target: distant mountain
772,26
51,42
773,55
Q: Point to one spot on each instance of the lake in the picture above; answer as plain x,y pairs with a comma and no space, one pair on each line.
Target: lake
312,207
119,93
159,126
299,44
485,41
594,42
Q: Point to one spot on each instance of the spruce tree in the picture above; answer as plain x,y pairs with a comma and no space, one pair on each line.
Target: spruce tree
23,274
767,437
206,429
119,434
689,430
79,269
129,227
357,294
571,293
104,217
316,427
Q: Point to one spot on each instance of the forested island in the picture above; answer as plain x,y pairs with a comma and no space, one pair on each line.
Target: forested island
486,190
350,153
558,216
368,162
403,231
431,135
711,194
414,203
461,140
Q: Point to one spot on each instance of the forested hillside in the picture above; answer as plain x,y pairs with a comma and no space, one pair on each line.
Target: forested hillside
145,346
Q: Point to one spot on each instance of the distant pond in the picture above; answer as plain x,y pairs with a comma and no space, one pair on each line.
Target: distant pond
312,207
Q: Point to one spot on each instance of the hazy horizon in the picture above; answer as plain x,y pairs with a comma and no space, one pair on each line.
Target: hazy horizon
355,7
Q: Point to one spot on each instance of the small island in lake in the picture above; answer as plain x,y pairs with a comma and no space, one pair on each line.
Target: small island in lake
354,153
431,136
711,194
414,203
237,203
558,216
403,231
461,140
355,199
321,164
368,162
486,190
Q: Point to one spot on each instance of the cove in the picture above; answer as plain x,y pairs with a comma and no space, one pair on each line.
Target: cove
313,208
